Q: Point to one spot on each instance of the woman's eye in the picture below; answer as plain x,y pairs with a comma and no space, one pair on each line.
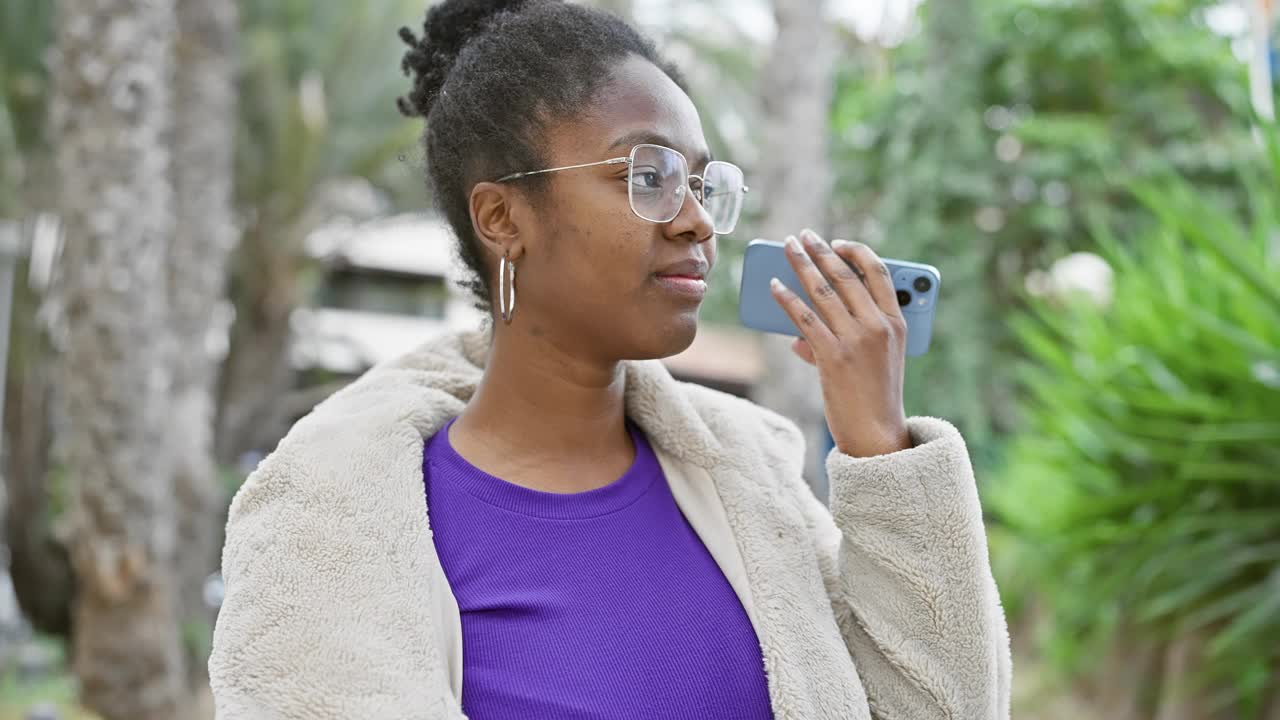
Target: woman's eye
646,179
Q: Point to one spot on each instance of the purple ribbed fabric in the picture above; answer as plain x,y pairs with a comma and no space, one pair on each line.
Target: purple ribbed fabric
599,604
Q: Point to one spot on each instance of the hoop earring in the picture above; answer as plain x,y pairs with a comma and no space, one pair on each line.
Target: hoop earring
505,286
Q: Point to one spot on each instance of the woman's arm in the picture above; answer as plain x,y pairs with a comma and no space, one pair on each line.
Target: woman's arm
903,549
904,557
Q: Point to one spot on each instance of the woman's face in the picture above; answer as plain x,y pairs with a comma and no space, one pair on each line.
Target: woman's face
588,277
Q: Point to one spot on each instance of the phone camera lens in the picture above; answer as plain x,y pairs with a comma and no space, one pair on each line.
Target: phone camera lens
922,284
904,298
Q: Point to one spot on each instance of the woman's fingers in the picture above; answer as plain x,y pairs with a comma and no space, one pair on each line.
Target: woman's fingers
850,283
814,331
879,284
851,290
826,298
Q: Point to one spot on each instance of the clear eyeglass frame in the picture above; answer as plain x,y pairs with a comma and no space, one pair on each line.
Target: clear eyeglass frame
721,226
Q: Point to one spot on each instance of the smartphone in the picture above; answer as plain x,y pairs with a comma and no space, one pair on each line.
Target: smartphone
917,285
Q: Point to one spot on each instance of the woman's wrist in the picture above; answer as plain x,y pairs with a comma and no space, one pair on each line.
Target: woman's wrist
874,443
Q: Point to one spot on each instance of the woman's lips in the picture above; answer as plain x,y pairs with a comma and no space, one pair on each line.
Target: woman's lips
687,285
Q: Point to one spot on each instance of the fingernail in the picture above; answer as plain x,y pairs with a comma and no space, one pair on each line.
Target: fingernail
809,236
775,284
792,244
840,243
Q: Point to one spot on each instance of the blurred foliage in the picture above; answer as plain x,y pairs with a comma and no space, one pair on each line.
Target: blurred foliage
53,687
317,85
1145,482
18,699
316,105
319,137
26,30
317,99
983,143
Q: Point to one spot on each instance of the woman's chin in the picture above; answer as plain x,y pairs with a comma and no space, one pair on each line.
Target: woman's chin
673,337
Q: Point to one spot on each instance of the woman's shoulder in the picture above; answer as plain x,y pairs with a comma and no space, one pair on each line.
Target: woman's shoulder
368,421
353,451
324,556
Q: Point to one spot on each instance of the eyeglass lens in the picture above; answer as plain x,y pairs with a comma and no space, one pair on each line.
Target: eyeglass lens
659,181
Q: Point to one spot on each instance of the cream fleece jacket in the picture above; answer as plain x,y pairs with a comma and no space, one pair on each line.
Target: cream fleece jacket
880,605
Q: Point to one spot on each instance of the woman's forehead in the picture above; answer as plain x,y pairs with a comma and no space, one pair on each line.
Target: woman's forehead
640,104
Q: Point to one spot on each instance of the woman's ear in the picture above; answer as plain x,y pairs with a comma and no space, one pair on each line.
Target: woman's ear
494,218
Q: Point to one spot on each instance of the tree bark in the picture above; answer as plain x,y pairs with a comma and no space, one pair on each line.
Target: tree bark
794,180
205,233
257,373
38,562
112,114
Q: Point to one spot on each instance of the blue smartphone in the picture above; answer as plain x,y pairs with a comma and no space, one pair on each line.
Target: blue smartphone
917,285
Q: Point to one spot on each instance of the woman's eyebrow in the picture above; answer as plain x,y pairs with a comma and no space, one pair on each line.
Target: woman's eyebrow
638,137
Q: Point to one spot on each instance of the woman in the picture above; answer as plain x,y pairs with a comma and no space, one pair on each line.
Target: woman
534,520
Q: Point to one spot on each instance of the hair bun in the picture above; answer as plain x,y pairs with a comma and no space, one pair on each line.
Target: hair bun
449,26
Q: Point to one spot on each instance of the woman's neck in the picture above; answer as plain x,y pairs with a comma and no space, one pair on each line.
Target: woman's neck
543,412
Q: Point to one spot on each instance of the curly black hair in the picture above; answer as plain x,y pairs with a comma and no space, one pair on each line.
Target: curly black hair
489,77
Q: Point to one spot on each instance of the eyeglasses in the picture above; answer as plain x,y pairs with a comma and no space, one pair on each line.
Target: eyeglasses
658,179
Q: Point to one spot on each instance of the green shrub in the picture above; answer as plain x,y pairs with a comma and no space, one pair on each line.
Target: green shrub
1144,482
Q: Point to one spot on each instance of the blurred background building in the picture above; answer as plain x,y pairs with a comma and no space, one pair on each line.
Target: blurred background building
390,284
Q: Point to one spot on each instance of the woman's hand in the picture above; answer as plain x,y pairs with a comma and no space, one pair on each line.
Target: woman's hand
857,339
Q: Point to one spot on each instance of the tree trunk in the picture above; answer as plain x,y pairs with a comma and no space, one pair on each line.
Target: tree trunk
203,179
257,373
38,563
112,110
794,180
